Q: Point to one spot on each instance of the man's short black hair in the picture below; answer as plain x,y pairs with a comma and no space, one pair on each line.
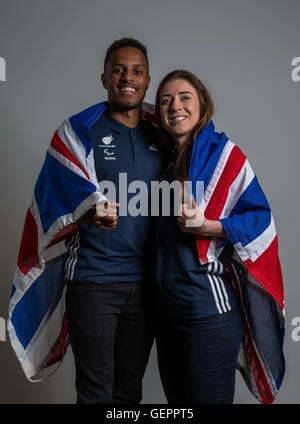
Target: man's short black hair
125,42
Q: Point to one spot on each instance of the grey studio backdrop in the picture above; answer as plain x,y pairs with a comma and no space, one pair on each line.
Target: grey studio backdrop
242,50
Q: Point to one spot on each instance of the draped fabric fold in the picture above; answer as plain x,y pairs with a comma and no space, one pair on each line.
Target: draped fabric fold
232,194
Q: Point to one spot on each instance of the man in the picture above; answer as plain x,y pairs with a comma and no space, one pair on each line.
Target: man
96,259
110,330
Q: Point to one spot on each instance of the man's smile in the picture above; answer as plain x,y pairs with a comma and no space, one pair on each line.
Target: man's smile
128,90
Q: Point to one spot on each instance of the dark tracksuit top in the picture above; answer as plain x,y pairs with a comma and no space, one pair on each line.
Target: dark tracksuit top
184,287
118,255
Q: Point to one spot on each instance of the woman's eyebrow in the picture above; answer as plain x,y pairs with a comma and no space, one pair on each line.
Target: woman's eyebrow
181,92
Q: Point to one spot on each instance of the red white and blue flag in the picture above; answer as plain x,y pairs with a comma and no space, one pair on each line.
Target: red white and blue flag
67,187
233,195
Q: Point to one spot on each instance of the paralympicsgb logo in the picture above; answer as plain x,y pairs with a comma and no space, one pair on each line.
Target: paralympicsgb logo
106,145
107,140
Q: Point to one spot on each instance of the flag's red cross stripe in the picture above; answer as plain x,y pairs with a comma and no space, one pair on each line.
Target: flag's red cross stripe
217,202
58,145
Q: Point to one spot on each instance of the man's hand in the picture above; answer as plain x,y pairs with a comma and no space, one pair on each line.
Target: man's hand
104,216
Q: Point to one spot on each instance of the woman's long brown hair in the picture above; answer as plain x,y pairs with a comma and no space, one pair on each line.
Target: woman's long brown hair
206,111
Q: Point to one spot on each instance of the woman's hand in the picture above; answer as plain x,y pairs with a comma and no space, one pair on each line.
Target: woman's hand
192,220
103,216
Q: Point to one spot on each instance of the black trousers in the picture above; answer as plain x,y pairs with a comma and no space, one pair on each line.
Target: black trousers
111,337
197,358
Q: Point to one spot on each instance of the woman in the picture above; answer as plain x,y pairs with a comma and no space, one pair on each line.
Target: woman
202,295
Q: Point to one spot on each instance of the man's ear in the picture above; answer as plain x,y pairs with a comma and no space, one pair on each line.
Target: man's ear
148,83
103,79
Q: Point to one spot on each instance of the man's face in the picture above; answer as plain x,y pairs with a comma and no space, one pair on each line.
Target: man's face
126,78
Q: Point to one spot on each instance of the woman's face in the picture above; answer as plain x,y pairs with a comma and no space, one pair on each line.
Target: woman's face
179,109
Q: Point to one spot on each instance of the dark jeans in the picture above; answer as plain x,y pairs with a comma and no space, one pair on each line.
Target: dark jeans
111,339
197,358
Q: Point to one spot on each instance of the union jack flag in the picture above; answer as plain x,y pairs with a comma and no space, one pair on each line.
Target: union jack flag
232,194
66,188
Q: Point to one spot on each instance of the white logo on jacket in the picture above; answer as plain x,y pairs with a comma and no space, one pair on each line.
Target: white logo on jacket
109,155
154,148
107,140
